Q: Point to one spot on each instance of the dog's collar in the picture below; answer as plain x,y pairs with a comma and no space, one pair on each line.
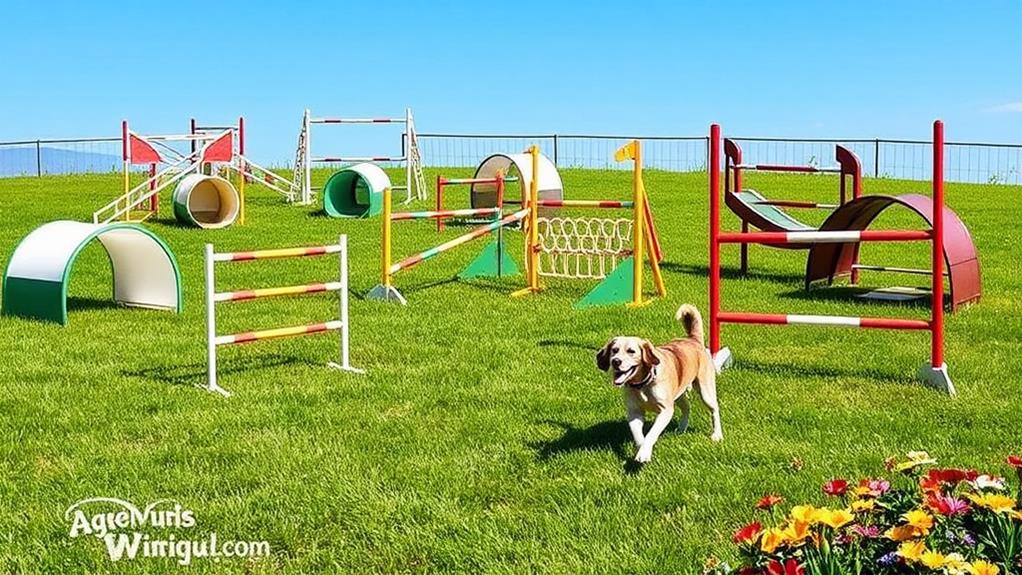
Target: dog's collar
650,378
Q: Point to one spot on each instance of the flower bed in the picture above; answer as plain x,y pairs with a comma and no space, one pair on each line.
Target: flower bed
925,520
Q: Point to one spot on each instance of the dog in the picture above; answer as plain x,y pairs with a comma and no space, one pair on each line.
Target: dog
654,378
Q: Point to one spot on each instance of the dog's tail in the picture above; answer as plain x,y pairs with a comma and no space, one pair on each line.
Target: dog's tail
690,318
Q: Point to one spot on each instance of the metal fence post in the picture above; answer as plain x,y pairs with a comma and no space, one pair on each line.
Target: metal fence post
38,159
876,158
555,149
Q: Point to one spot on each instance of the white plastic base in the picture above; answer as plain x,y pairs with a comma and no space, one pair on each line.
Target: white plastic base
386,293
722,360
335,365
937,377
217,389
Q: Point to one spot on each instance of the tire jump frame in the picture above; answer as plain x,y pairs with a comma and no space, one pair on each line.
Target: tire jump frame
934,373
213,297
625,283
492,262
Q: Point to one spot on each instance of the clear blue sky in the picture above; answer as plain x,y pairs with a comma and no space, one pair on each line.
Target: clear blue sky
785,68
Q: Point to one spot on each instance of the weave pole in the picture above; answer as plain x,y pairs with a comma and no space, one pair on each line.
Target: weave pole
212,298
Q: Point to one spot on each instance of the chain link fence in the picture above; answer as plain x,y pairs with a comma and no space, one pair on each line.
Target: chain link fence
969,162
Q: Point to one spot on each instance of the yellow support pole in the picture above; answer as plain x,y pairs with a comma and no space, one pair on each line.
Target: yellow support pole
658,277
532,231
386,238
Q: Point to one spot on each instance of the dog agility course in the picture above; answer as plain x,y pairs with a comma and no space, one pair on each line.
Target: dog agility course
481,413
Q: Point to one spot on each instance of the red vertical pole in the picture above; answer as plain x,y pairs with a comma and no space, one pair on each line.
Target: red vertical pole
124,141
191,130
500,191
937,323
714,167
439,201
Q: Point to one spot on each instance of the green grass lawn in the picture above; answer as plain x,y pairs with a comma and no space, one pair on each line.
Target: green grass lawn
483,439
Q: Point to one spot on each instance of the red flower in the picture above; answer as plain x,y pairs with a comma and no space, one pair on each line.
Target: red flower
835,487
947,505
952,476
768,501
929,484
791,567
1015,461
747,570
749,533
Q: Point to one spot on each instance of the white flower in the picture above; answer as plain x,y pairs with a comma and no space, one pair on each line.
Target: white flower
988,482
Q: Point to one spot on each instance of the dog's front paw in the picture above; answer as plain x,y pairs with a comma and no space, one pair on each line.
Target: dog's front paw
644,455
717,436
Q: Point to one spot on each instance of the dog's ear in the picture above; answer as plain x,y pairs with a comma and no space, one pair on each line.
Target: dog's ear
603,356
648,356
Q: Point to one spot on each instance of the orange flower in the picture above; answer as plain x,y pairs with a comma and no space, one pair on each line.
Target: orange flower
902,533
796,532
920,520
772,539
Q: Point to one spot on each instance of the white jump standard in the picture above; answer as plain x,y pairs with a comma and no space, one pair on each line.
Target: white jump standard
415,182
213,297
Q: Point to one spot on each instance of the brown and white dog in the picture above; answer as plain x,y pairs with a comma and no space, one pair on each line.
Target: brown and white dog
654,378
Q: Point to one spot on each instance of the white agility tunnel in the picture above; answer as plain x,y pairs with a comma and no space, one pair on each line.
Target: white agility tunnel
209,202
484,195
145,273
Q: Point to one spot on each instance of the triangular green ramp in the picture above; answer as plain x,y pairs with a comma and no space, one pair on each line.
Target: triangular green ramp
615,289
485,264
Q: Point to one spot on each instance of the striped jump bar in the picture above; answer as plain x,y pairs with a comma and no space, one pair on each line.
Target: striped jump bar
277,253
834,320
779,168
444,214
478,232
245,295
585,204
360,159
357,120
833,237
250,336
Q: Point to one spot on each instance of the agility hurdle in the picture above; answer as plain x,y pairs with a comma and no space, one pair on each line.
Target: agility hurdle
934,373
415,183
611,250
492,262
213,297
442,182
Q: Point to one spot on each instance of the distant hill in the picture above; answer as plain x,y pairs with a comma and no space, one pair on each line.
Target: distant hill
21,161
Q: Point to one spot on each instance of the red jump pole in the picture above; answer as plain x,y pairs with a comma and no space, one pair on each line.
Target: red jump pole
937,333
714,167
